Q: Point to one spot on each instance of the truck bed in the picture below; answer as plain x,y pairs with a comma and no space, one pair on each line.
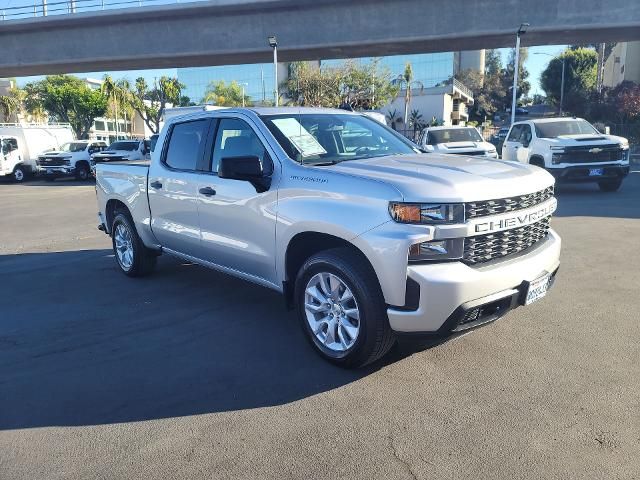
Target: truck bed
125,182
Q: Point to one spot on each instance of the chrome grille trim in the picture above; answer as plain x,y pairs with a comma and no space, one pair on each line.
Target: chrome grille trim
484,248
486,208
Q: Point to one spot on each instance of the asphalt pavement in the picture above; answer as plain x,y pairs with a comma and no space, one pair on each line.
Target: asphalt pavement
191,374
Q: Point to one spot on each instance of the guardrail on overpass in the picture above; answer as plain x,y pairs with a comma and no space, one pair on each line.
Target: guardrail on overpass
225,32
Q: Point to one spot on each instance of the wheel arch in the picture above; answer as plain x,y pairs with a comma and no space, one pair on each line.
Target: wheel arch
305,244
537,160
114,205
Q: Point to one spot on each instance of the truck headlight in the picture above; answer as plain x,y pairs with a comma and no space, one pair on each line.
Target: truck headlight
427,213
449,249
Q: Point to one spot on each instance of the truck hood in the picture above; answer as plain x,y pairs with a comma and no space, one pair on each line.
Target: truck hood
448,178
56,154
584,139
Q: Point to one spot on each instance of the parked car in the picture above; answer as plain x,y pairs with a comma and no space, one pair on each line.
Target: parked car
71,160
22,144
571,149
362,233
501,134
456,141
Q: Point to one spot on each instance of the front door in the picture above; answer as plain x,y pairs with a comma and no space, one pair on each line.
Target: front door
238,224
512,144
522,154
10,154
173,187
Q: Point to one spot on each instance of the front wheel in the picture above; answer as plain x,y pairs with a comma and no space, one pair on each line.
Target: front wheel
132,257
341,308
19,174
610,185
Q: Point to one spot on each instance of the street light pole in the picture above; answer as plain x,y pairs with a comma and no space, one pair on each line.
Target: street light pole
243,85
273,43
516,67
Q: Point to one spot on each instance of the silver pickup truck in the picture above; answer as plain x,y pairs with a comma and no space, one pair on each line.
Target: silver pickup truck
365,235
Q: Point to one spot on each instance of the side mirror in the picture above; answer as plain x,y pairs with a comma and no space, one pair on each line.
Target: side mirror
245,168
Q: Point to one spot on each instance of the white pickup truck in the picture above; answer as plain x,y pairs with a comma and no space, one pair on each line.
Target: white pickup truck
571,149
456,141
361,232
71,160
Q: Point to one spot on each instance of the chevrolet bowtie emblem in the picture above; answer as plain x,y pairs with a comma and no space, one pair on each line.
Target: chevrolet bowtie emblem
595,150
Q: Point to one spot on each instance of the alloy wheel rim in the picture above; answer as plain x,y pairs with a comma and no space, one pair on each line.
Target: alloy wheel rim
332,312
124,246
19,175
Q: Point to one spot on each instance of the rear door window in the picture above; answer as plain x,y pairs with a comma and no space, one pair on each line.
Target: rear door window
186,145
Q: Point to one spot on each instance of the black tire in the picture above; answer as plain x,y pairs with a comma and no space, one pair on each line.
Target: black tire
144,259
19,174
375,337
82,172
612,185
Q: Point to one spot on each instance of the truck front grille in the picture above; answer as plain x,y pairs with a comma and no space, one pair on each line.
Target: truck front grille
502,205
472,153
52,161
483,248
590,153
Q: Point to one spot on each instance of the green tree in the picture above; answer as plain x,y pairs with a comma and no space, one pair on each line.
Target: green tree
67,99
367,86
416,122
523,74
225,95
9,104
393,117
407,82
489,91
150,101
579,80
314,86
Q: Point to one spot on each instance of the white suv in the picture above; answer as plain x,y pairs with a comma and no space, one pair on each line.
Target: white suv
571,149
456,141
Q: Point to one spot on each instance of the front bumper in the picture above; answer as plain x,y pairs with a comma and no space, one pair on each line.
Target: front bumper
57,171
580,173
447,291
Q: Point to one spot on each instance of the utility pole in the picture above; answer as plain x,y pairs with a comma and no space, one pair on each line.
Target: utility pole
262,82
44,8
600,74
564,58
516,67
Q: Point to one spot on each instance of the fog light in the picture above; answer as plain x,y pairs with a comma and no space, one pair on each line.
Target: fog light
449,249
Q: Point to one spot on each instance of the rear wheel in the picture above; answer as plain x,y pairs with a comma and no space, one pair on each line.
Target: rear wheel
133,258
19,174
610,185
341,308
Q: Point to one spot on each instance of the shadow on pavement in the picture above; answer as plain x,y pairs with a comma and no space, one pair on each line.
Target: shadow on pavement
81,344
586,199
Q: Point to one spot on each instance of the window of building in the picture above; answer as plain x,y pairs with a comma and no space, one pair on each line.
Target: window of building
186,144
98,125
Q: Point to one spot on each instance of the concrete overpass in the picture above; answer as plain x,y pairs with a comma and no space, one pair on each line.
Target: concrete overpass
223,32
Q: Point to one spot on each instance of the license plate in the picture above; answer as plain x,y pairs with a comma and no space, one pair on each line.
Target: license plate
537,289
596,172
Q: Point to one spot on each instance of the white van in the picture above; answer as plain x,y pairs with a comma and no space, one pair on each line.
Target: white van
22,144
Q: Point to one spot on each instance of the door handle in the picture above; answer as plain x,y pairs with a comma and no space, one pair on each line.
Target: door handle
156,184
207,191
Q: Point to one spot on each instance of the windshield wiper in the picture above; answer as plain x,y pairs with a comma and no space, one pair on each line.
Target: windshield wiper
324,164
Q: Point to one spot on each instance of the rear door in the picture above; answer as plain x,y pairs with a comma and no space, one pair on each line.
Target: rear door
512,143
173,186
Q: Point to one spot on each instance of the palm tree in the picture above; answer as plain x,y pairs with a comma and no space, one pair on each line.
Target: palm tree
9,105
406,80
416,121
110,89
393,117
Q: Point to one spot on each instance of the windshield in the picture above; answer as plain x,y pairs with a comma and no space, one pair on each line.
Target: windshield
565,127
326,138
453,135
128,146
73,147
